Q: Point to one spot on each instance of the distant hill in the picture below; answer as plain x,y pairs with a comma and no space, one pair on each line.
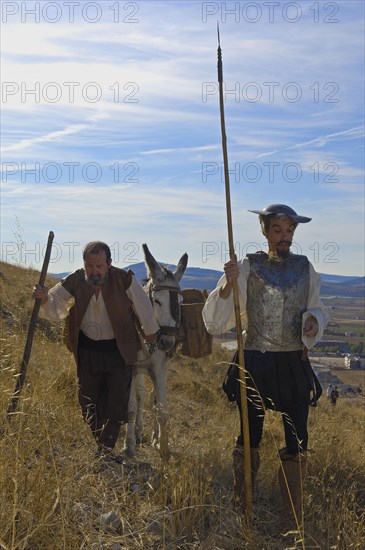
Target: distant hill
339,278
196,277
354,287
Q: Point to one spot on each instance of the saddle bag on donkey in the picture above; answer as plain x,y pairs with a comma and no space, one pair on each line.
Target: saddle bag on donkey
196,340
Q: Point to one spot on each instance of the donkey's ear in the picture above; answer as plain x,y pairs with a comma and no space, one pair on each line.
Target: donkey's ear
181,266
153,268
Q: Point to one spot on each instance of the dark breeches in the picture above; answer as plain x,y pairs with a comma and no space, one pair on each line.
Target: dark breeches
104,389
278,381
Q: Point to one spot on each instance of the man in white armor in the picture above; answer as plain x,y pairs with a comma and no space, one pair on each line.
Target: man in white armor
282,317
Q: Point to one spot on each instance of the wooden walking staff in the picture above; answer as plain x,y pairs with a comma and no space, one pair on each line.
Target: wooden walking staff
31,330
241,361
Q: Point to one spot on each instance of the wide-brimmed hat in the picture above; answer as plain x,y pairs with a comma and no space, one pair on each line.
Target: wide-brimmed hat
284,210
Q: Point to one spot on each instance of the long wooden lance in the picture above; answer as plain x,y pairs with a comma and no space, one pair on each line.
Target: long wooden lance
232,255
31,330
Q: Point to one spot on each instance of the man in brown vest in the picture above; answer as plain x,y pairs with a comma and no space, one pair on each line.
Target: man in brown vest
99,302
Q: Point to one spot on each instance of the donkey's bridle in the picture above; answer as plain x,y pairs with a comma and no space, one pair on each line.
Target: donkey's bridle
165,330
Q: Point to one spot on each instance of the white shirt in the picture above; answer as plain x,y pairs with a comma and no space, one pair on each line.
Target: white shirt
95,323
219,314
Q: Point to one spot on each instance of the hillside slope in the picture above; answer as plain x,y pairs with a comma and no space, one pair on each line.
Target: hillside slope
56,494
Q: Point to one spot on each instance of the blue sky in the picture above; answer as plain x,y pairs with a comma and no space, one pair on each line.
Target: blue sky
111,128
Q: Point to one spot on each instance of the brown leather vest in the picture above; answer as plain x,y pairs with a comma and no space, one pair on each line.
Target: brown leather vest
118,306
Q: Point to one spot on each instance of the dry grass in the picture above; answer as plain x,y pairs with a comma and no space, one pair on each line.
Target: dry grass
351,377
54,490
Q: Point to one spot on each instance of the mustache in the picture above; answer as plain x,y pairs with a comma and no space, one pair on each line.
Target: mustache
95,281
284,242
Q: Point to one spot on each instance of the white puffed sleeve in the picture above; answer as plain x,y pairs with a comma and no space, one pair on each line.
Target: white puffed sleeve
315,308
59,303
142,307
218,313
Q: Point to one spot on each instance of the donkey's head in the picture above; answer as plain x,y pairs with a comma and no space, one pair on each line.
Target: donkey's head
165,293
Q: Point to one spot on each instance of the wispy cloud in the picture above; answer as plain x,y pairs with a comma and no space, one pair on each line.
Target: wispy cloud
321,141
52,136
181,150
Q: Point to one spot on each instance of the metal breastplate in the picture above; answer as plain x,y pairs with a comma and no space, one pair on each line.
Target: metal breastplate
277,296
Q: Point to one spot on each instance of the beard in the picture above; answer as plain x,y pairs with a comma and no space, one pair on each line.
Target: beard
95,281
279,254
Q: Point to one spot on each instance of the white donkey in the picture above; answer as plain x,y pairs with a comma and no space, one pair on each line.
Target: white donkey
163,288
